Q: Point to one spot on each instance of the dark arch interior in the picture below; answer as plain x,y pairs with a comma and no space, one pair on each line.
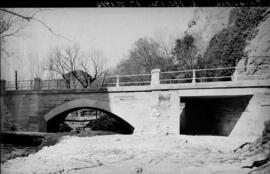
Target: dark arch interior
211,115
105,121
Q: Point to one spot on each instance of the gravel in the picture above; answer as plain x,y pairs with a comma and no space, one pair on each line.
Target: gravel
124,154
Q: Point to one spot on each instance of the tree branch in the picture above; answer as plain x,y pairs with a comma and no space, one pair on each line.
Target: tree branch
32,18
16,14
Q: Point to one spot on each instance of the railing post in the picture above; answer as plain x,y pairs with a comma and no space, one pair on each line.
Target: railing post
37,83
117,81
193,76
49,84
3,85
155,73
235,74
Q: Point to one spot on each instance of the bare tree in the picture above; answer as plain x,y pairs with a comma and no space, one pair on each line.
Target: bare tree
94,65
165,40
14,20
62,61
72,65
143,58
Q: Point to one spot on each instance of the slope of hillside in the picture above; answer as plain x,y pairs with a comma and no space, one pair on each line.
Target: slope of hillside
260,45
258,51
205,23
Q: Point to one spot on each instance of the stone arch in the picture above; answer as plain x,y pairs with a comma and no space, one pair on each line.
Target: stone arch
82,103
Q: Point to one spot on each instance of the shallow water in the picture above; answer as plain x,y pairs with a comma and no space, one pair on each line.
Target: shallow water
10,151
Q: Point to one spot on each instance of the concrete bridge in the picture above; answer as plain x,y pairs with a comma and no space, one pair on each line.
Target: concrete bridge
232,108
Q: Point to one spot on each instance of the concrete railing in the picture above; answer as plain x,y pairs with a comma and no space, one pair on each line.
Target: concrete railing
211,75
154,79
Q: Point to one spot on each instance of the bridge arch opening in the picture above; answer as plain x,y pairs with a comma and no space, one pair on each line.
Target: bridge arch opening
216,115
86,115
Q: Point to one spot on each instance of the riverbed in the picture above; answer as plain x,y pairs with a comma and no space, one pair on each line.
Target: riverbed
151,154
16,149
10,151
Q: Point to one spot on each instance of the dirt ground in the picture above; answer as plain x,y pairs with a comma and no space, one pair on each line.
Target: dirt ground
151,154
14,147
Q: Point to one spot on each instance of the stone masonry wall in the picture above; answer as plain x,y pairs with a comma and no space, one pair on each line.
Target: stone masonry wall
148,111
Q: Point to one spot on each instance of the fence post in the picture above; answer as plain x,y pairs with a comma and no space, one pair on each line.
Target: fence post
3,85
155,73
117,81
37,83
193,76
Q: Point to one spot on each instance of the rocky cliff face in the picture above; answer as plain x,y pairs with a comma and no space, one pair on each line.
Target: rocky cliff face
208,22
258,53
205,23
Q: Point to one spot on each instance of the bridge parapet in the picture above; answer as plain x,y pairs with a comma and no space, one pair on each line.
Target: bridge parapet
156,78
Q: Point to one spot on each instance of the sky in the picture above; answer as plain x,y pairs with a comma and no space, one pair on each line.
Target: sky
112,31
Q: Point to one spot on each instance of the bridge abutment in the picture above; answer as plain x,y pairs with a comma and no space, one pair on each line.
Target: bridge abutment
251,122
164,115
